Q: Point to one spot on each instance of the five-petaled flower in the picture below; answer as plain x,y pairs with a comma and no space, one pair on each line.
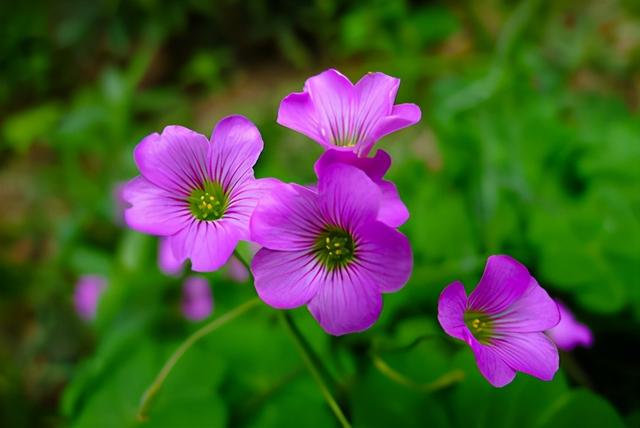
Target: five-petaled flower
197,193
569,333
340,115
503,321
327,249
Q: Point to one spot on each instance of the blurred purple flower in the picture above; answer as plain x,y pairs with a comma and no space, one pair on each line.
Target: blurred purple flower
569,333
327,250
199,194
197,300
503,321
338,114
392,211
87,294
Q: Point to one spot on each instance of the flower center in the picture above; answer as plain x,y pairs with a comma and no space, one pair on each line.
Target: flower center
208,202
335,247
481,326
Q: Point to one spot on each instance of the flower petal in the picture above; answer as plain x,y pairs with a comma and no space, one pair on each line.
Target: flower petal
286,218
392,210
346,302
402,116
285,279
347,197
167,262
534,311
531,353
383,255
154,210
491,365
208,244
451,306
503,282
236,146
174,160
375,167
197,300
297,112
570,333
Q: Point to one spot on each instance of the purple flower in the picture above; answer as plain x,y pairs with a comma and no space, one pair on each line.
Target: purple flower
197,301
337,114
392,211
199,194
569,333
87,294
503,320
327,250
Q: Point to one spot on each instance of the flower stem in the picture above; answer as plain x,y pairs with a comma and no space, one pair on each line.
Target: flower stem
242,260
315,367
442,382
213,325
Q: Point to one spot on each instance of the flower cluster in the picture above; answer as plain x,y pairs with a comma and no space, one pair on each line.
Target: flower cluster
332,245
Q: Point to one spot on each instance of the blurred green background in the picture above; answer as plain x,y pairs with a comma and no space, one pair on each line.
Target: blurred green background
529,145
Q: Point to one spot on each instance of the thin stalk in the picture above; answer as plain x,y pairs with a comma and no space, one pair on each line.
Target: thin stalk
213,325
242,260
314,366
442,382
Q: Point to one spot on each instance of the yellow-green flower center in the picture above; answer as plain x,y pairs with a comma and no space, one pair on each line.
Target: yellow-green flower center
335,248
208,202
480,325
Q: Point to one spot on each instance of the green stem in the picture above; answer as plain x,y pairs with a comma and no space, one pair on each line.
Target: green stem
315,367
242,260
442,382
153,389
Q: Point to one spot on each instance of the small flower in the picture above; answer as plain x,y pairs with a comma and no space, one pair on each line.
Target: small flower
337,114
197,301
199,194
569,333
327,250
87,295
503,321
392,211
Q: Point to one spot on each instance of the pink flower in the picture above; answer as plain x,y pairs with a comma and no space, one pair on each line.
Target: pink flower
338,114
87,294
197,301
197,193
503,321
328,250
569,333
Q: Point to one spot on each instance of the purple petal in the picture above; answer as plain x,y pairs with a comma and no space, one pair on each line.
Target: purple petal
402,116
503,282
531,353
208,244
176,160
393,211
286,279
346,302
167,262
287,218
491,365
383,256
87,294
348,197
236,146
237,271
154,210
569,333
534,311
375,167
197,300
451,306
297,112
